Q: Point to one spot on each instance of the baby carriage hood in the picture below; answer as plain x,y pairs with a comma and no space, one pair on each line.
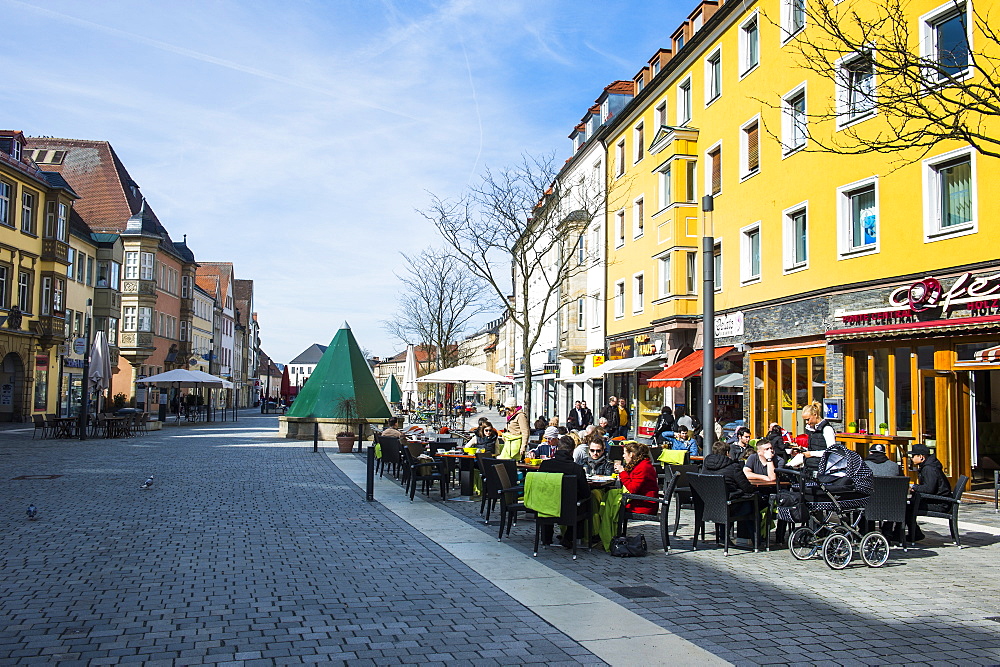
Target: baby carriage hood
840,464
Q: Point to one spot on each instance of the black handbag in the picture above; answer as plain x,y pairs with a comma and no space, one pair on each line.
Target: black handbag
627,546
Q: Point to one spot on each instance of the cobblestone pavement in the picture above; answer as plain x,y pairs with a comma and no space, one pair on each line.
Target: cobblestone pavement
934,605
246,550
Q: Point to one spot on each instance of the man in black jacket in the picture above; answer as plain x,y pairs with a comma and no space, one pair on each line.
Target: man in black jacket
738,486
563,462
931,480
610,412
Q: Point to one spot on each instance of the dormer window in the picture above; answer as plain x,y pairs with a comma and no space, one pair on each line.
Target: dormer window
16,151
656,67
134,189
604,111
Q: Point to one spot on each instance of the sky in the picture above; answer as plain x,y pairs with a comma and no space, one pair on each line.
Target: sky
300,139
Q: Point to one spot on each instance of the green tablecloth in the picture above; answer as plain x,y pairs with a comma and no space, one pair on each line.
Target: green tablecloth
606,503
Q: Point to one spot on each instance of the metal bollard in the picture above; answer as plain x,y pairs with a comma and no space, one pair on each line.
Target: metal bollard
370,475
315,436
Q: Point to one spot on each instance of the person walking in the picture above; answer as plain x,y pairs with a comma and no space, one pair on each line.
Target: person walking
610,413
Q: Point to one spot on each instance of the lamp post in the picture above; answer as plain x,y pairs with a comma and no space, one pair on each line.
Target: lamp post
708,326
85,383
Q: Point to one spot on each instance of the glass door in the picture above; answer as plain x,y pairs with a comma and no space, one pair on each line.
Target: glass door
936,410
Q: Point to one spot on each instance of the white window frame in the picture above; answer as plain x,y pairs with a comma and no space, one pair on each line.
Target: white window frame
598,310
131,265
933,230
638,217
745,171
665,187
7,195
638,139
788,31
619,228
747,276
147,266
638,292
685,105
620,158
717,264
746,66
619,299
691,272
691,181
660,115
605,110
581,313
713,76
28,211
788,120
929,23
130,320
664,266
844,80
145,318
791,262
845,219
717,146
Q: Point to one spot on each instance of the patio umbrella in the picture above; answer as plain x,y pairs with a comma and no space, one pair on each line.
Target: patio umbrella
464,374
410,375
100,366
729,380
286,383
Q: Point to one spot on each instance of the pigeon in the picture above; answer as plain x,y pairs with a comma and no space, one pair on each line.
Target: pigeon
148,483
32,512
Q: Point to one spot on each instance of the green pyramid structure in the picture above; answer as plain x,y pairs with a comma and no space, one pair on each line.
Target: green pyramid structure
391,389
342,373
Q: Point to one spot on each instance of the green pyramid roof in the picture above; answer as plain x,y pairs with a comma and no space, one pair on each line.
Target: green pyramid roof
342,373
391,389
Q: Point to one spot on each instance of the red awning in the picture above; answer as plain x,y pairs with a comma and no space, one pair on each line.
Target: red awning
917,328
687,367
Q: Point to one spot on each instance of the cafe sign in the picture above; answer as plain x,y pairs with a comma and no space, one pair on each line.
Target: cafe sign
968,296
620,349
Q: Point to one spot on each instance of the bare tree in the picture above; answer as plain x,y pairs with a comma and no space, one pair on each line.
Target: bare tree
926,82
516,229
438,301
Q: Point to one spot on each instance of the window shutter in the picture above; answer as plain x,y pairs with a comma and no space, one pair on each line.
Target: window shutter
753,149
716,156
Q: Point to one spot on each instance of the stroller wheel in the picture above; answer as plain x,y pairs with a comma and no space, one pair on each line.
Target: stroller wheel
802,543
837,551
874,549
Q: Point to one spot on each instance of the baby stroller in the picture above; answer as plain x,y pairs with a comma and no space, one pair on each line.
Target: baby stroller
831,511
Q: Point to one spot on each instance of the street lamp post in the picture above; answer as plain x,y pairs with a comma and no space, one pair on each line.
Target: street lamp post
708,326
85,383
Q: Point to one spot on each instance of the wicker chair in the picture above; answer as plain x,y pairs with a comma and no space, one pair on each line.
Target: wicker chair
888,503
712,503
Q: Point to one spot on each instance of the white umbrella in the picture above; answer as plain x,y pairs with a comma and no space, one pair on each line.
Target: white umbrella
100,363
410,375
182,377
465,373
729,380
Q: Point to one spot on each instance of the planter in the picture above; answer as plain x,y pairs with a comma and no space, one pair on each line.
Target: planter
345,443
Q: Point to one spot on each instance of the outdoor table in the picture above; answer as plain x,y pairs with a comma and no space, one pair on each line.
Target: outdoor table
466,463
117,426
64,426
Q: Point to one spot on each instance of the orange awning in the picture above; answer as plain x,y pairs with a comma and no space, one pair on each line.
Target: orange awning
687,367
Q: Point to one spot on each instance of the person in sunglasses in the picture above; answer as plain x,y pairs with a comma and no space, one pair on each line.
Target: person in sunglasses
597,462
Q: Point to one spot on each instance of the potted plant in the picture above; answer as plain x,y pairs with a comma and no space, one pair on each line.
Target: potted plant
852,427
348,410
883,428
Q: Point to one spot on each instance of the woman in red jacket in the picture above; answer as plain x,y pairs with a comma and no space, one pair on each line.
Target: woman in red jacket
638,477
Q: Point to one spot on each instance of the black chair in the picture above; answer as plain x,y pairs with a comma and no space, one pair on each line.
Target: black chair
662,514
953,503
572,513
391,456
510,499
492,486
426,472
682,490
888,503
712,503
40,425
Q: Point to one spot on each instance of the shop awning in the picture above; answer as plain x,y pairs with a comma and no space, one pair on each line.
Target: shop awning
647,363
687,367
930,327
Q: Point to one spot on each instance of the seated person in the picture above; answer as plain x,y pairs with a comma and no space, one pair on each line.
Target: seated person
562,462
552,430
392,430
538,428
930,480
597,462
682,440
638,477
739,445
664,427
738,486
486,438
760,466
580,452
880,464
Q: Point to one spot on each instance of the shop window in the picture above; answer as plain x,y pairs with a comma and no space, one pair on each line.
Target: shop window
784,383
879,413
904,392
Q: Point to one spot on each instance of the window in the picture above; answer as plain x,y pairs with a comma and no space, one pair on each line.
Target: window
145,319
713,175
129,318
185,287
6,191
638,221
750,246
666,189
656,66
24,291
717,265
793,17
81,266
637,135
692,186
855,88
664,267
620,229
793,120
58,294
946,41
750,148
691,272
620,158
579,250
684,102
90,270
146,270
749,39
604,111
620,298
581,306
661,114
640,83
858,217
637,293
796,241
71,257
62,219
4,285
713,77
131,266
596,313
28,213
949,194
46,295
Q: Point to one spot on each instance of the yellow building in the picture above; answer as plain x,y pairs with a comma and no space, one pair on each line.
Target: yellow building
866,279
34,245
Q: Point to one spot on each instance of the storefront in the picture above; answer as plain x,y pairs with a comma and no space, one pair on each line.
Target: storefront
785,379
684,382
632,362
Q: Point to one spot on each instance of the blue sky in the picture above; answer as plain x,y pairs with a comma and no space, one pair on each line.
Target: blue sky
297,139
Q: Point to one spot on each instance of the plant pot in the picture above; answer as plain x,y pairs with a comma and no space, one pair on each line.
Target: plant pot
345,443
